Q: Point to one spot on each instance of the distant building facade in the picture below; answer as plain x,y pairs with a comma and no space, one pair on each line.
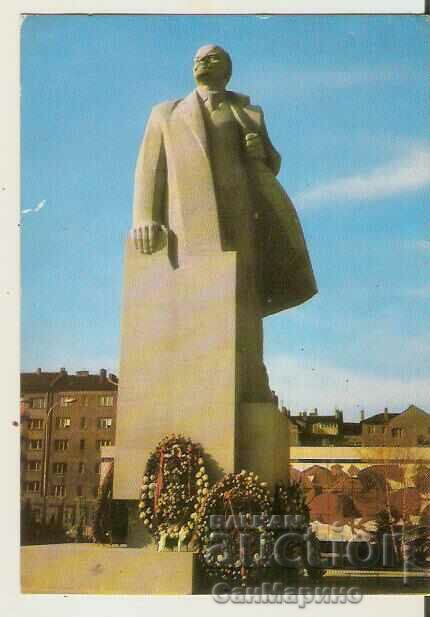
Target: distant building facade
313,429
65,420
409,428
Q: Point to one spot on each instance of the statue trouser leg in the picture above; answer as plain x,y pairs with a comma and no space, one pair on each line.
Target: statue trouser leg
252,375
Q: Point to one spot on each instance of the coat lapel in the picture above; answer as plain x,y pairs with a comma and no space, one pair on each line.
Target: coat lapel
191,113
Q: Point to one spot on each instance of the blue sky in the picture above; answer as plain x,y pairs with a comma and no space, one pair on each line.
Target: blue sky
346,103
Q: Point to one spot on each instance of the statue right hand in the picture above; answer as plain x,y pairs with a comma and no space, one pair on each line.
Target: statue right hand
145,235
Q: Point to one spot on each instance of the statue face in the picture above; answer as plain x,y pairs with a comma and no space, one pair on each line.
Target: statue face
211,66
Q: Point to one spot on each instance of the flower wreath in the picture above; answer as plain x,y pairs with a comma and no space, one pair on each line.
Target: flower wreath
174,483
236,505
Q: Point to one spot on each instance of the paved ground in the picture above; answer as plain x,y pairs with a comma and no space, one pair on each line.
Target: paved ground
96,569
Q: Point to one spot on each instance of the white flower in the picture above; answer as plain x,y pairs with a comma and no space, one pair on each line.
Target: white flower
206,477
145,478
220,558
202,469
142,514
200,461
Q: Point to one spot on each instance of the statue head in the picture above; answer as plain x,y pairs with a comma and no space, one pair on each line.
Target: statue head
212,67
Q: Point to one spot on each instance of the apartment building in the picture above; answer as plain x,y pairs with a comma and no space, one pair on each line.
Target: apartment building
65,420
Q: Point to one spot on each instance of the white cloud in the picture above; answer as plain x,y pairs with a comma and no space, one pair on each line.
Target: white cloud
309,82
419,292
409,173
422,245
304,384
39,206
345,79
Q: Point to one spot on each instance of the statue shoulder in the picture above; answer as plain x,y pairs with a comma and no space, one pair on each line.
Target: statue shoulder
165,108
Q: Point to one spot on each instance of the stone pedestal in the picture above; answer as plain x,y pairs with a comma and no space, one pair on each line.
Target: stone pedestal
180,373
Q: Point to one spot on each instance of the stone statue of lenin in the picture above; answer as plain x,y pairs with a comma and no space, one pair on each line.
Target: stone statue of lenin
206,172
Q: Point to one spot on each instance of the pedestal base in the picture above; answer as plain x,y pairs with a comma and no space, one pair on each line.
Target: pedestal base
95,569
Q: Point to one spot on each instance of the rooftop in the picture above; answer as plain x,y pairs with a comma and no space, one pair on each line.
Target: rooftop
41,381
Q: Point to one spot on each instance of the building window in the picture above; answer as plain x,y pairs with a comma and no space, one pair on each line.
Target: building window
105,401
59,468
63,422
66,401
35,424
33,466
97,468
82,444
83,423
38,403
371,429
35,444
36,514
85,401
103,442
32,487
58,490
69,516
81,467
79,491
397,432
61,444
104,423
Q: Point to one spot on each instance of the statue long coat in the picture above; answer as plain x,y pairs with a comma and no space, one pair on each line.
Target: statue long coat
175,187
